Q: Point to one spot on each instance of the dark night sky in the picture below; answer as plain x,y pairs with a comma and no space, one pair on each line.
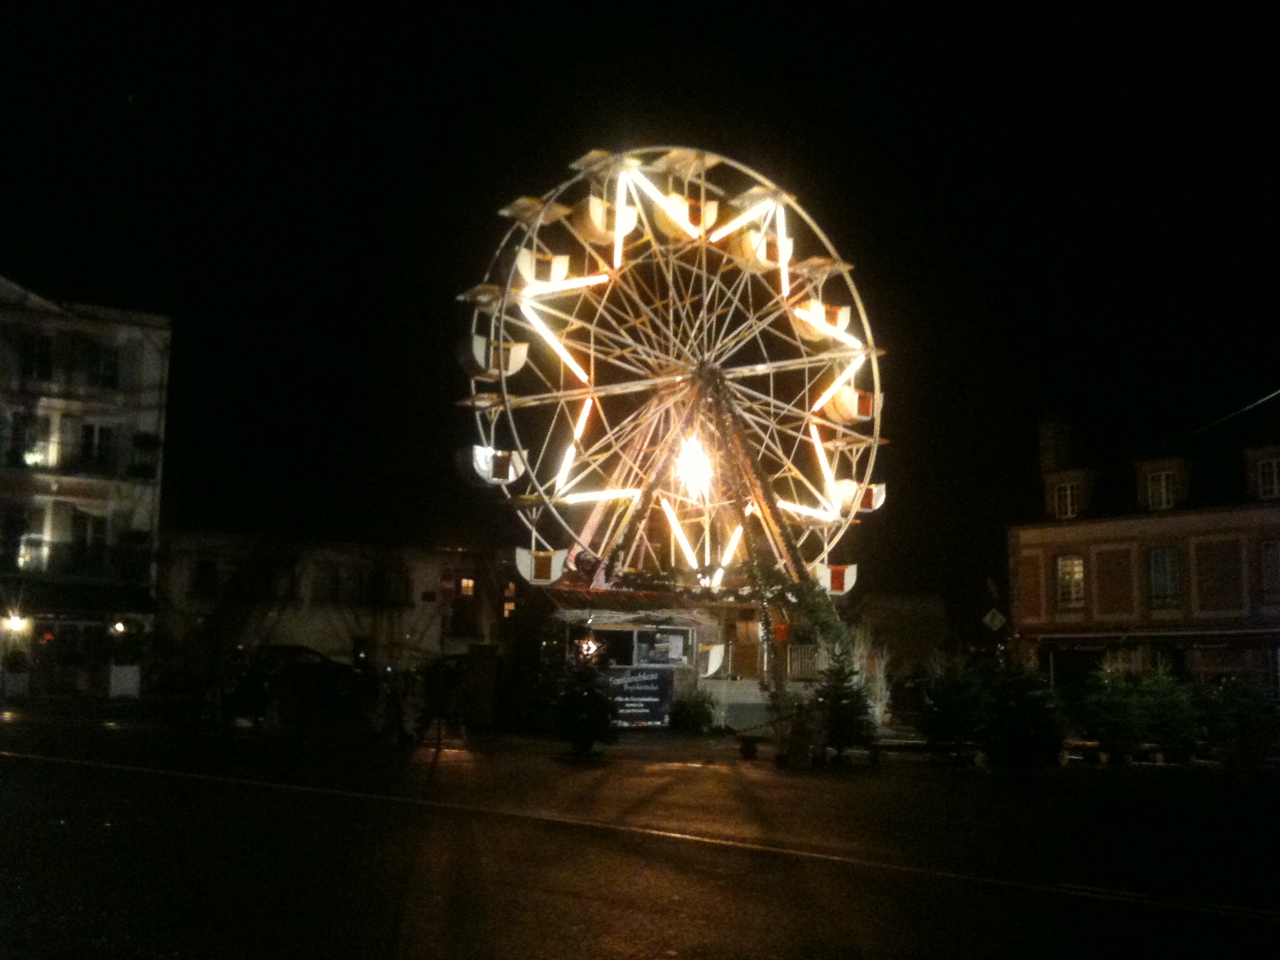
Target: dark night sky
1064,226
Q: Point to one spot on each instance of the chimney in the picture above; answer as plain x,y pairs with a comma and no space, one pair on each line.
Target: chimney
1055,447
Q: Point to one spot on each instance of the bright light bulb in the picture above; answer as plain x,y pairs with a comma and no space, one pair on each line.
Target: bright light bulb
693,467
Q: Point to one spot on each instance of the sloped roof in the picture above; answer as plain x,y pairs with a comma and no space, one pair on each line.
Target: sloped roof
16,296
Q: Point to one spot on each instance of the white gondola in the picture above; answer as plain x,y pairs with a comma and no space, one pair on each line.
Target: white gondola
541,566
758,252
715,660
837,317
594,220
483,359
699,217
485,296
835,579
850,405
487,467
541,267
531,211
872,497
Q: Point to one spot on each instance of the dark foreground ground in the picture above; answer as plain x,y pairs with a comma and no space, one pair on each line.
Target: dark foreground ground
121,836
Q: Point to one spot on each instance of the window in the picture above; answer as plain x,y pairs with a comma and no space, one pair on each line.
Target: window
1160,490
1166,583
1070,582
1066,500
102,363
1269,479
36,357
508,609
353,583
467,586
204,580
324,583
1271,571
97,446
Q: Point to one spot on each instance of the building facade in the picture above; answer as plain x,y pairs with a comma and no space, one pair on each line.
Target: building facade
1172,581
82,404
389,607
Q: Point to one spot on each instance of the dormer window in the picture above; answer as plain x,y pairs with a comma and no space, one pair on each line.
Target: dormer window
1066,500
1269,478
1161,487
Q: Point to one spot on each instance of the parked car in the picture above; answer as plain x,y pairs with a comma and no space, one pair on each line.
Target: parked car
289,688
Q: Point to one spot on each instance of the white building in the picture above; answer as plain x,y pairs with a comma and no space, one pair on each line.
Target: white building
82,400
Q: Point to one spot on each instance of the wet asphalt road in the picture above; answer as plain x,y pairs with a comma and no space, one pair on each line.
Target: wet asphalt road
140,840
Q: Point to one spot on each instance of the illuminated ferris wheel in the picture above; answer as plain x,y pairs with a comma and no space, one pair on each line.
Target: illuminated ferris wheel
672,376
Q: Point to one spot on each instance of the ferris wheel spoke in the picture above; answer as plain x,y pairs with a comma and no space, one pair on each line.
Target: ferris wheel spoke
806,362
789,455
613,446
650,232
644,298
779,409
570,335
622,330
617,433
525,401
763,321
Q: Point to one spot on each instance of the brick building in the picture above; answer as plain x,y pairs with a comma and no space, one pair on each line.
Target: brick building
1174,561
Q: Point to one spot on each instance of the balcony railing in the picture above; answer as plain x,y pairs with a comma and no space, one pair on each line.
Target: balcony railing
99,561
72,459
805,661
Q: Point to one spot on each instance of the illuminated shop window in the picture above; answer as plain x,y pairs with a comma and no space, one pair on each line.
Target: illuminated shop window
1070,582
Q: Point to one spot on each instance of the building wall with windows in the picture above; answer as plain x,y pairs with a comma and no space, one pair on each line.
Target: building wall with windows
1193,588
396,607
82,399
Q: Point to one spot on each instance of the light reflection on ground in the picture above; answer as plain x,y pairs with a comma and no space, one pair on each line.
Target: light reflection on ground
443,755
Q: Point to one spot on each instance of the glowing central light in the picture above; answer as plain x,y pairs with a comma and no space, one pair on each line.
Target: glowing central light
15,623
693,467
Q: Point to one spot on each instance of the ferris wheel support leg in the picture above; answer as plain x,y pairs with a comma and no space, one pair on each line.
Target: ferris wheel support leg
792,563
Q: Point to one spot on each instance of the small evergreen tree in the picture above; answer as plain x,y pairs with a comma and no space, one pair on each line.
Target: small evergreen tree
1026,728
956,705
586,713
1111,714
842,707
